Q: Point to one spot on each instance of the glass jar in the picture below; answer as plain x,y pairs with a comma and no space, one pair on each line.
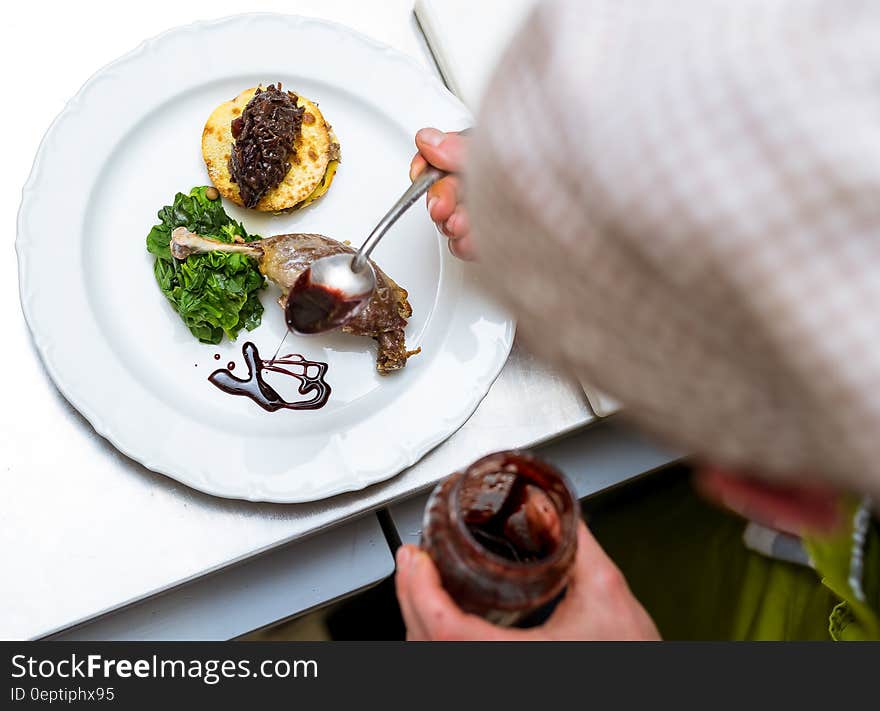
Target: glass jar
503,535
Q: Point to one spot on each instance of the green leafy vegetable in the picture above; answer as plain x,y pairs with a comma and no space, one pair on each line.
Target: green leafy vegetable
214,293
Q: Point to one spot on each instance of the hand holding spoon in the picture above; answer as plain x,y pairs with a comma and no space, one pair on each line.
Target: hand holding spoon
335,289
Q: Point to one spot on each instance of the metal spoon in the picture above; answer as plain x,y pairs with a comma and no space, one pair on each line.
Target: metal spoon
334,289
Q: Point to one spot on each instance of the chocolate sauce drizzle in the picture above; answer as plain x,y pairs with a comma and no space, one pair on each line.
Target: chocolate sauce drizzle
258,390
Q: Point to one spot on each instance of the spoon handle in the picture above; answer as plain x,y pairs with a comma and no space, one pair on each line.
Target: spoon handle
418,188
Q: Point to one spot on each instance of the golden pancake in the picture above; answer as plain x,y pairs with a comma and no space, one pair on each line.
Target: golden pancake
311,168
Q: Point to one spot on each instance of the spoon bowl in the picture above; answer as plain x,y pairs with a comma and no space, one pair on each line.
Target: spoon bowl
334,289
329,294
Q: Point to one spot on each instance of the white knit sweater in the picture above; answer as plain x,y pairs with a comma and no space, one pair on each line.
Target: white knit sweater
681,201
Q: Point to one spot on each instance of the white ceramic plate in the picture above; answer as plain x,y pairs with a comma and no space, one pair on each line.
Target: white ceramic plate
121,149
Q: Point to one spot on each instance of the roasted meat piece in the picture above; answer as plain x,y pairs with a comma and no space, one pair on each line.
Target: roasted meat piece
284,257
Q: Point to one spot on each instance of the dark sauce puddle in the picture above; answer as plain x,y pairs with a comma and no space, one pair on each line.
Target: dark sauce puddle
258,390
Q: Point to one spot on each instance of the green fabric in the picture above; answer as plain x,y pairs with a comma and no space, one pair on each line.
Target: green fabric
852,619
685,561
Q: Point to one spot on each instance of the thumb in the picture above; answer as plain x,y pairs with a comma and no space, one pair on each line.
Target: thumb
598,603
442,150
595,581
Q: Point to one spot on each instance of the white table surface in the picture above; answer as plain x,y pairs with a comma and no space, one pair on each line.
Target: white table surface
84,530
263,590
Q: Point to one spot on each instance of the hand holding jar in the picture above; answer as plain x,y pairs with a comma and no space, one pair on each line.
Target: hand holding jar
504,548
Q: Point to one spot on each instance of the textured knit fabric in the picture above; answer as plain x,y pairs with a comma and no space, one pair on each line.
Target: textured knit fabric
681,201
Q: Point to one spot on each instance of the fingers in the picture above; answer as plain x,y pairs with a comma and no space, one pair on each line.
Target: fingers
790,508
416,166
434,613
446,151
427,609
463,248
598,603
443,200
443,150
451,217
404,560
458,225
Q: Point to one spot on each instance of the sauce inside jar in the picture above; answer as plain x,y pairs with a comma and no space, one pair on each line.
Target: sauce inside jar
510,517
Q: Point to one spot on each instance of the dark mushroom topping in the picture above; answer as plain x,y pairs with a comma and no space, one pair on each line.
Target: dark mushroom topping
265,135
